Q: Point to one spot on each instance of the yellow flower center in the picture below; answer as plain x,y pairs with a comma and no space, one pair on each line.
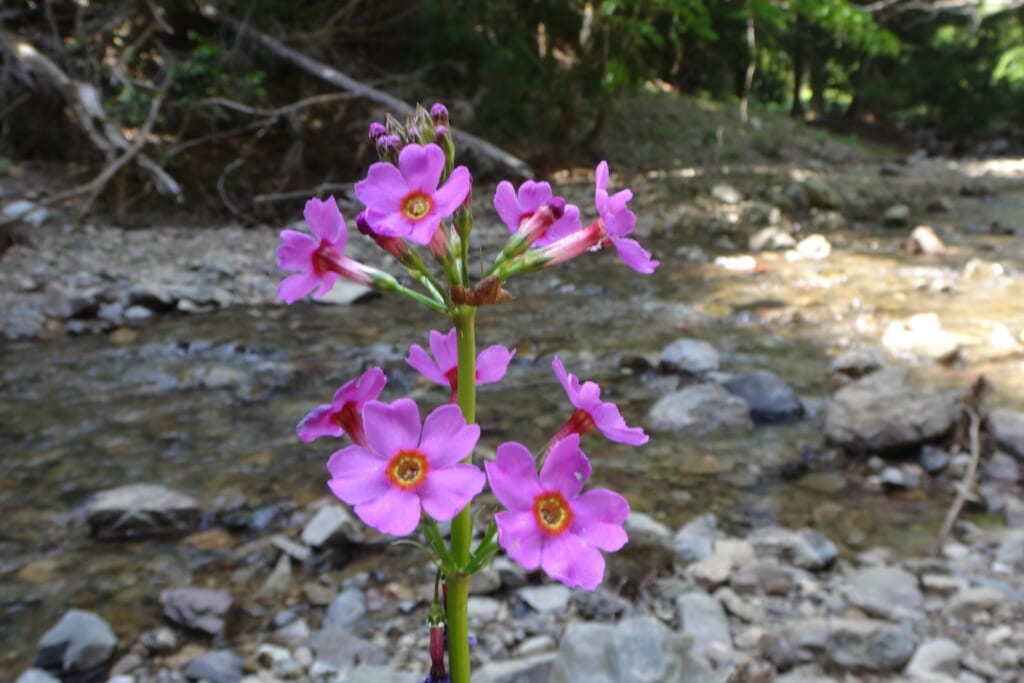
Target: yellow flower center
416,205
552,512
408,469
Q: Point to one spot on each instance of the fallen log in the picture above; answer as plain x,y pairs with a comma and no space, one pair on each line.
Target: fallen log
398,107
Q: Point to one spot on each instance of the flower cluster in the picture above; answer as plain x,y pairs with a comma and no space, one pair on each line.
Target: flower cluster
403,472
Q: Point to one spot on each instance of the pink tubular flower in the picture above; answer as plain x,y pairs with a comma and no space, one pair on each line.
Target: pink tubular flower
343,415
549,523
591,412
404,469
491,363
406,201
319,257
619,221
516,210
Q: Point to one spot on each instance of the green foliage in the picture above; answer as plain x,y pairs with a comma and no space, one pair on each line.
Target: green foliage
204,74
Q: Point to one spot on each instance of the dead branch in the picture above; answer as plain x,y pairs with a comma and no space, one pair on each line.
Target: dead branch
317,191
331,75
280,111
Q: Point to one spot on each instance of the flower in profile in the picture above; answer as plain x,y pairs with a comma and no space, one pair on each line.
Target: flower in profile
406,201
519,209
549,523
404,469
319,258
618,222
491,363
593,413
343,415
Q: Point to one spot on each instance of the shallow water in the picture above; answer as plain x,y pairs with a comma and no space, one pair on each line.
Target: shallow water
207,404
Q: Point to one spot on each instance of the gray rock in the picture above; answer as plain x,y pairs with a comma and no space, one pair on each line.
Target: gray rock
969,601
695,540
805,548
821,195
78,643
552,597
728,555
347,609
200,609
636,650
851,644
938,656
532,669
370,673
700,409
768,397
216,666
933,460
921,335
690,356
650,542
814,247
1008,427
140,510
27,212
702,618
854,364
924,241
482,610
881,414
1010,553
344,649
727,194
771,239
1001,468
37,676
904,477
896,216
137,314
332,525
885,592
346,292
768,577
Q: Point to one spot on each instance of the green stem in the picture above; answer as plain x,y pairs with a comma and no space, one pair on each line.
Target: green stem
464,318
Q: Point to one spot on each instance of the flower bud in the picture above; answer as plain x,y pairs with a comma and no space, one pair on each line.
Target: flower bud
376,130
439,114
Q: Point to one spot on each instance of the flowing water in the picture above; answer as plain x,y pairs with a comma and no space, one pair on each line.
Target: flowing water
207,404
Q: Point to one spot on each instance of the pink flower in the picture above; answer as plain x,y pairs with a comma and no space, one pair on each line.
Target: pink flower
406,201
491,363
343,415
591,412
517,210
318,257
404,469
549,523
619,221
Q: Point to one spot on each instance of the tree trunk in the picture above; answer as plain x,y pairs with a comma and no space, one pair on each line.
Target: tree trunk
798,57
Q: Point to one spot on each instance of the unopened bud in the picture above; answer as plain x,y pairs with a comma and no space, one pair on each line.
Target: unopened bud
363,225
557,206
439,113
437,648
376,130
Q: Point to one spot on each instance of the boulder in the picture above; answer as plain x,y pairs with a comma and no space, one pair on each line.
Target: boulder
767,396
885,592
199,609
80,643
689,356
141,510
700,409
1008,429
849,644
821,195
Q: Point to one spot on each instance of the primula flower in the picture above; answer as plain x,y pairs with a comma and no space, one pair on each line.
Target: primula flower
404,469
491,363
549,523
406,201
517,208
319,257
591,412
343,415
619,221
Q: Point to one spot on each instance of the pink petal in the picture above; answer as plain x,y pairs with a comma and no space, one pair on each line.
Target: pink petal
532,195
422,166
357,475
318,423
326,221
450,489
390,428
598,516
507,205
368,387
327,281
454,191
609,420
589,397
513,477
445,348
601,176
635,256
618,219
569,382
296,286
519,536
388,223
396,512
420,360
566,469
563,227
492,364
569,559
447,439
382,190
422,231
296,250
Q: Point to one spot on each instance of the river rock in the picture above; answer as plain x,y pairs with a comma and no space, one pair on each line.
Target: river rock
728,555
200,609
969,601
346,610
552,597
700,409
921,335
850,644
881,414
689,356
855,364
768,397
805,548
924,241
702,618
37,676
216,666
771,238
650,545
727,194
885,592
896,216
1010,553
346,292
141,510
939,656
636,650
695,540
1008,428
814,247
332,525
532,669
27,212
78,644
344,649
372,673
821,195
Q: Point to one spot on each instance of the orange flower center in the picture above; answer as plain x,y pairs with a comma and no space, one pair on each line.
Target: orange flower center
408,469
416,205
552,512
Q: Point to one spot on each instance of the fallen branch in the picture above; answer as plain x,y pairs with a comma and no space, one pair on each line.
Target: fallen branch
398,107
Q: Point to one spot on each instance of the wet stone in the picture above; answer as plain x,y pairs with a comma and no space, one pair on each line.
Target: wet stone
689,356
700,409
200,609
216,666
768,397
140,510
78,644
